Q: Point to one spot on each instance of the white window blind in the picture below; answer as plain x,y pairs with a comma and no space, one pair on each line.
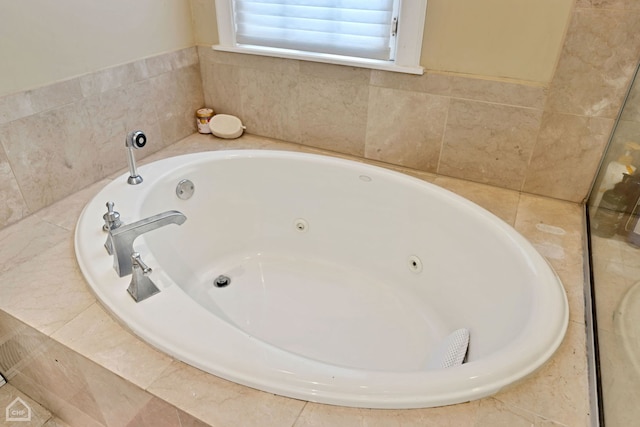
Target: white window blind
357,28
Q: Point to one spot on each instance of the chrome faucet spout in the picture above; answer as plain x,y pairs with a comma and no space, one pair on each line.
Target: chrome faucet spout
136,139
122,238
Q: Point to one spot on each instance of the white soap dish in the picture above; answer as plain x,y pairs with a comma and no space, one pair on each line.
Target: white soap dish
226,126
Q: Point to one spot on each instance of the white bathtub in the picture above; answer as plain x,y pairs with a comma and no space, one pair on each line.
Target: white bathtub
346,280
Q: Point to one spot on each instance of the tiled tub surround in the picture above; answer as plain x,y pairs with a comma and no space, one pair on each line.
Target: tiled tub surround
77,361
56,139
544,139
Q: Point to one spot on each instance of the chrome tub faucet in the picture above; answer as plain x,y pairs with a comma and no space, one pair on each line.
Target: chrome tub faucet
120,239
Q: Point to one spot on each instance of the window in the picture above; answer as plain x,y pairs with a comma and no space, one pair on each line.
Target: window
380,34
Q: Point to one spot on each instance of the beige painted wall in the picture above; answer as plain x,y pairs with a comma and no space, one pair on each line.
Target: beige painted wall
43,41
517,39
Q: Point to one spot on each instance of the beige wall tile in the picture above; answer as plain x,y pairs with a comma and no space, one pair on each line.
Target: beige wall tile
598,59
65,213
415,138
335,72
174,97
333,114
35,146
77,140
501,92
429,82
499,201
566,155
614,4
222,88
56,153
110,78
270,103
55,95
15,106
265,63
488,143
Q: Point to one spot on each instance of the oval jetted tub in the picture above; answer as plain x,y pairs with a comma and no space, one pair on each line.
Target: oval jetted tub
328,280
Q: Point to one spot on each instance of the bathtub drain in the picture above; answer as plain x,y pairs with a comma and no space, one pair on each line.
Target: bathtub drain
221,281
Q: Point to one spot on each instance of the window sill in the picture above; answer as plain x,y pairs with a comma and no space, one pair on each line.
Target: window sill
321,57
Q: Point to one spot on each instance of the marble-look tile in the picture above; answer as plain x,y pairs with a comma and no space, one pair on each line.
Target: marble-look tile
555,229
175,96
317,415
157,65
566,153
264,63
270,103
610,4
335,72
79,391
37,415
55,422
15,106
220,402
54,377
429,82
221,85
333,114
184,58
596,64
631,110
23,241
94,334
50,151
500,92
109,79
13,207
559,390
55,95
47,291
494,413
65,212
19,344
156,413
501,202
488,143
415,138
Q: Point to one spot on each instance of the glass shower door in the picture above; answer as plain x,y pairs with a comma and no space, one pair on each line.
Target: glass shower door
614,229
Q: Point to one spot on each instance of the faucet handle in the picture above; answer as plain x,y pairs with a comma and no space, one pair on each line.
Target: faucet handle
141,287
137,263
111,218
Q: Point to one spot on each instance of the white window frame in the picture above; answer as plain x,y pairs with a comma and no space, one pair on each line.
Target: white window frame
411,20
